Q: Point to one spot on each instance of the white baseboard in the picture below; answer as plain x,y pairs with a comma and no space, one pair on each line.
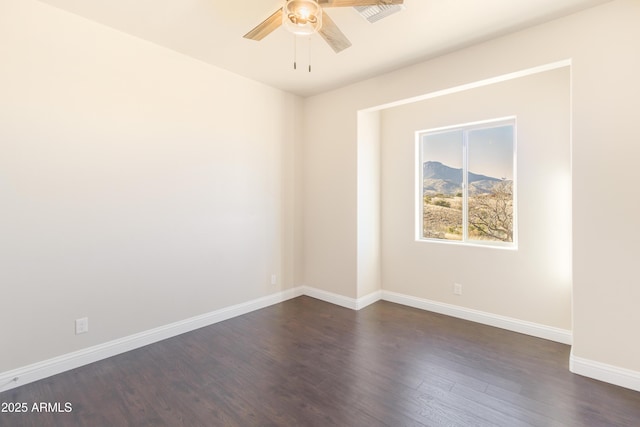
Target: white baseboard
341,300
529,328
330,297
369,299
608,373
47,368
56,365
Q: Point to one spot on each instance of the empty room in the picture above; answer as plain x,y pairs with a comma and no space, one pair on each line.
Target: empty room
319,213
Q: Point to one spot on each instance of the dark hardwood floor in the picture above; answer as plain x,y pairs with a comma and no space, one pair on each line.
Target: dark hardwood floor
308,363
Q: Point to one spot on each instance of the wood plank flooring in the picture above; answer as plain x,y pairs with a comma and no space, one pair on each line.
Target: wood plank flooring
309,363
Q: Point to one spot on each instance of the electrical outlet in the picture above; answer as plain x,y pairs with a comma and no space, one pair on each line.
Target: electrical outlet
457,288
82,325
274,279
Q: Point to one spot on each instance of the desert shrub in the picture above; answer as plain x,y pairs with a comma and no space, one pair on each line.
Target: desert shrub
442,203
491,215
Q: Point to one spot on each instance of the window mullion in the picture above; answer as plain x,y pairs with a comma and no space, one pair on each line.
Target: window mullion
465,185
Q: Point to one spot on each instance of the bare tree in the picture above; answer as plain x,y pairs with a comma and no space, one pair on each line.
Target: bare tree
491,215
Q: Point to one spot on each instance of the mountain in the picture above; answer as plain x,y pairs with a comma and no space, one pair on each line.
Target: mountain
440,178
440,186
437,170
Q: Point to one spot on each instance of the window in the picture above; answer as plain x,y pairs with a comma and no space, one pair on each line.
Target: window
466,186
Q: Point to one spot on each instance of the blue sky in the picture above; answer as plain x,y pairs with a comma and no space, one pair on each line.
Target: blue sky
490,150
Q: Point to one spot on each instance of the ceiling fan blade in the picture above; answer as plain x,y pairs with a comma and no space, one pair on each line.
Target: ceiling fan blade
351,3
332,34
265,27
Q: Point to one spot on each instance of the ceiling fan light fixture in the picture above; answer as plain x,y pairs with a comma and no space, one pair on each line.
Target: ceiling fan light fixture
302,17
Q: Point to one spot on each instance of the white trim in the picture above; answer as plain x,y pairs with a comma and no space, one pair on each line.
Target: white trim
369,299
585,367
330,297
529,328
66,362
341,300
608,373
56,365
475,125
521,326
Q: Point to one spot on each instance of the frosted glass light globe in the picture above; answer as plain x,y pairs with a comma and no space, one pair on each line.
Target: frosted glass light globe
302,17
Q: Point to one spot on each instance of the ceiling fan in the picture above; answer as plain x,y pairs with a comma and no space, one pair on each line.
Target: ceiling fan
305,17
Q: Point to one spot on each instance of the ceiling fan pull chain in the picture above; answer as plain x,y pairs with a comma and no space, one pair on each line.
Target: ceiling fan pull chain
309,49
295,52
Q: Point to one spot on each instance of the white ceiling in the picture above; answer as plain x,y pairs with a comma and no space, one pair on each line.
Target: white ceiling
212,30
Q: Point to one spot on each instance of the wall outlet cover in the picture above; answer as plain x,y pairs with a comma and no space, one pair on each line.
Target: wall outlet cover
82,325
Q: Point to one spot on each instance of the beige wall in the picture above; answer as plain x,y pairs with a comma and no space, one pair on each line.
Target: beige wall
606,105
602,45
330,197
368,208
138,187
532,283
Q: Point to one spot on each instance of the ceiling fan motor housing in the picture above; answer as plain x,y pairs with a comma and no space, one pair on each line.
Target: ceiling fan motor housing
302,17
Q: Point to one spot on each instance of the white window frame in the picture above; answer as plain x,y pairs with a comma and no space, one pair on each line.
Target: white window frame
466,128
